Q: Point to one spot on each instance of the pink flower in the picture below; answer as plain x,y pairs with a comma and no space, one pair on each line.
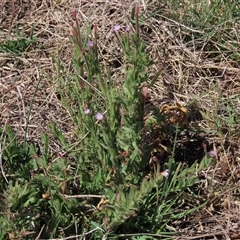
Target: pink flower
90,43
59,154
99,116
87,111
116,28
165,173
128,29
212,154
154,158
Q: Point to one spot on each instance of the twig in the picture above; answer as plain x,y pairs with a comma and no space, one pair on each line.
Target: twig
201,236
1,165
143,234
181,25
83,196
23,106
80,235
75,144
31,106
39,234
94,88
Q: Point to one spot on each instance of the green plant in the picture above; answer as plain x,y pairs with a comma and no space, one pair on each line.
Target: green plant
19,44
223,118
31,192
101,184
19,202
111,152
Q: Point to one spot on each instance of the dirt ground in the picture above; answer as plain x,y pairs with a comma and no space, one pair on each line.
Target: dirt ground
28,82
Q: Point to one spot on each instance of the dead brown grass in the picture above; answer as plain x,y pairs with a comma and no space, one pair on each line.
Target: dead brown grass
188,73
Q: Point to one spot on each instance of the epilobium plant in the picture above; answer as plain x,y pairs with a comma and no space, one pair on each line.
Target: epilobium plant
99,183
112,159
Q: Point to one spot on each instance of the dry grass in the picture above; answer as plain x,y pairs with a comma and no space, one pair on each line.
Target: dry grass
188,73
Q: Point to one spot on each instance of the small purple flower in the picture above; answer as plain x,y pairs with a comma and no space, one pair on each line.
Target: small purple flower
116,28
87,111
90,43
99,116
59,154
165,173
128,29
212,154
154,158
